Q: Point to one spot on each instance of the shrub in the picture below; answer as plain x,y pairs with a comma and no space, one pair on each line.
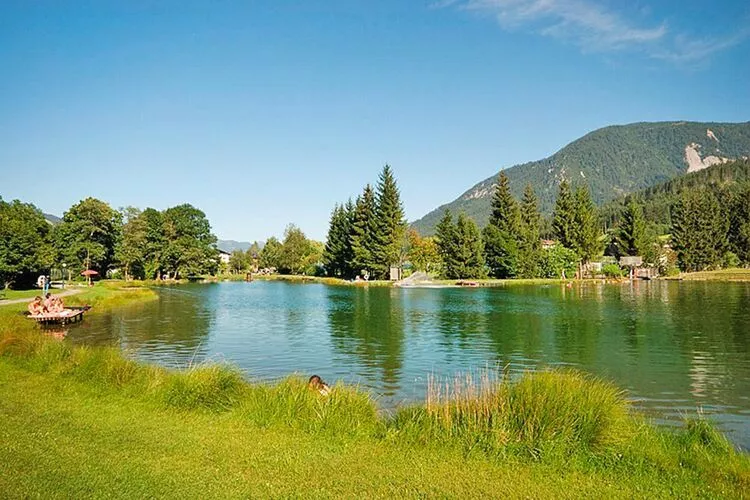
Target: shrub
612,271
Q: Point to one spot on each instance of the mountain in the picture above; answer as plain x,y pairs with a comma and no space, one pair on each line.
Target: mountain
231,245
52,219
612,161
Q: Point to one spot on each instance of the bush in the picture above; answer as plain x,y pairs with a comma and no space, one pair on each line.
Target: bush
612,271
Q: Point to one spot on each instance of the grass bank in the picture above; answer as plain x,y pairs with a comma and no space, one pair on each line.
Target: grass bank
735,274
82,421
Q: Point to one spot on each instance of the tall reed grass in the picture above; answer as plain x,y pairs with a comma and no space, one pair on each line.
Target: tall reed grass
561,410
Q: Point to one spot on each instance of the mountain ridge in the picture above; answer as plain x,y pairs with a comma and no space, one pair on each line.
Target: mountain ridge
613,161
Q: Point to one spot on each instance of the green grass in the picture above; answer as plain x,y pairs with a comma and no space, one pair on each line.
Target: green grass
80,421
26,294
735,274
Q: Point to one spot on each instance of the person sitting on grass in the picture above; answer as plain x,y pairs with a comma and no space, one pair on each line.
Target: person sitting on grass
36,307
316,384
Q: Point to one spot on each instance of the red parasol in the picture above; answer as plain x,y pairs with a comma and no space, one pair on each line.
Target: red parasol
89,272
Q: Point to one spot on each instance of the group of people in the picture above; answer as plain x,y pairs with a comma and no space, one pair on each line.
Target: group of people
48,305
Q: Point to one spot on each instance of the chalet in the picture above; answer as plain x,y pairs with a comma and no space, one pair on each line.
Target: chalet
224,256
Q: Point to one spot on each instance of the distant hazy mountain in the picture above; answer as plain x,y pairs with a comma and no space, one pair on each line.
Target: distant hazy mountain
52,219
612,161
231,245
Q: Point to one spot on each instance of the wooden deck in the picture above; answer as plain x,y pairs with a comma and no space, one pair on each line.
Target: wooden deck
75,315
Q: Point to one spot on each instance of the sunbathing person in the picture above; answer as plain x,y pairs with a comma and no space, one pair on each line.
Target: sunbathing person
316,384
36,307
49,302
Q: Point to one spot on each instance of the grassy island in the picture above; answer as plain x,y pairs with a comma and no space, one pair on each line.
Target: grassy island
80,422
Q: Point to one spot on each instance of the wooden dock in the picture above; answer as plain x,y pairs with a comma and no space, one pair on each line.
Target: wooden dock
74,315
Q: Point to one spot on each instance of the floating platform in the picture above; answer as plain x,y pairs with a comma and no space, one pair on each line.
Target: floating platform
73,315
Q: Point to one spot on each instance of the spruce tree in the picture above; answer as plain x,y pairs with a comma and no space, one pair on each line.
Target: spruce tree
699,231
334,255
470,256
501,236
563,217
500,252
630,234
739,223
362,235
530,245
445,234
585,229
391,226
504,213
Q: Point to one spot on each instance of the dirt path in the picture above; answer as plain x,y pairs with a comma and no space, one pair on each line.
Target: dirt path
66,293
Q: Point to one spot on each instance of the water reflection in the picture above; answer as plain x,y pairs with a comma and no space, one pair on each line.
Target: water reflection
368,324
172,330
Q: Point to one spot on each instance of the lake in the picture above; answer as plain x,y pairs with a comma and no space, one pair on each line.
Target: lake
675,346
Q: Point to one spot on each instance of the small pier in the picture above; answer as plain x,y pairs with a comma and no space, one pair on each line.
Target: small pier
72,315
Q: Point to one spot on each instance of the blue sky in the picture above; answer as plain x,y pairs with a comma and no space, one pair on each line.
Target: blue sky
263,113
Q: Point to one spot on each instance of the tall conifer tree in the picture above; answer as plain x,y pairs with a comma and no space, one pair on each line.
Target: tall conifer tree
699,231
530,246
470,258
585,229
334,256
363,230
391,225
563,217
501,236
630,234
445,234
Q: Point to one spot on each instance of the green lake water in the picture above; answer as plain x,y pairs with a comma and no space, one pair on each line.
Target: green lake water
675,347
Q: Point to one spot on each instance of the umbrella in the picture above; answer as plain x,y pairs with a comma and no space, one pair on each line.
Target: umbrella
89,272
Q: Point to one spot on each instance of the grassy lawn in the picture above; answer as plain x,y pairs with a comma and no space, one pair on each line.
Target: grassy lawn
63,438
28,294
736,274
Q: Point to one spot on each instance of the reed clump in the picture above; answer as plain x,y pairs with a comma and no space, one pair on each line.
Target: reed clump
291,403
540,412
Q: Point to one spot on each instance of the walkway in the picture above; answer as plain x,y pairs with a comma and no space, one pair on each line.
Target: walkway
66,293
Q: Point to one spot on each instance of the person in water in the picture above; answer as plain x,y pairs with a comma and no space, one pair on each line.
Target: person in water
36,306
316,384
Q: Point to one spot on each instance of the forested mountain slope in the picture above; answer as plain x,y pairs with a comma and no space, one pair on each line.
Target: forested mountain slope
657,201
613,161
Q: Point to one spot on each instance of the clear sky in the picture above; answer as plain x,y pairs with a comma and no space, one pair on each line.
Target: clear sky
262,113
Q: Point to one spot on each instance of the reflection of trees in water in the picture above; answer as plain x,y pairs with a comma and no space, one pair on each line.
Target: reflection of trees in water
368,323
172,329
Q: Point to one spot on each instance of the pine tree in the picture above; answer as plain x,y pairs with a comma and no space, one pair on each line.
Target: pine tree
363,231
500,252
504,214
391,226
530,245
585,229
630,234
563,217
739,223
334,255
501,236
470,250
445,234
699,231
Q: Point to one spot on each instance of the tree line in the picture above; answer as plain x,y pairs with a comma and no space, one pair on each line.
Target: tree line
510,246
368,236
149,243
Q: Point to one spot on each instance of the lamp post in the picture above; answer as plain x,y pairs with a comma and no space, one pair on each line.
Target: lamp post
63,273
